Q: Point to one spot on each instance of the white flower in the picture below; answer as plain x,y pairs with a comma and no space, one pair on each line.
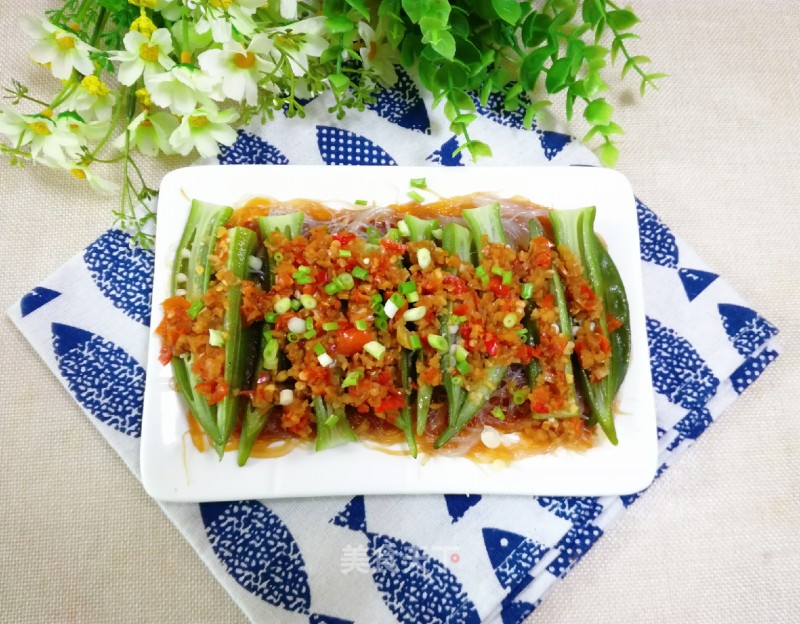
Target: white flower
143,55
182,88
297,41
288,9
60,48
238,68
70,121
150,132
82,172
54,142
204,129
377,54
92,96
221,15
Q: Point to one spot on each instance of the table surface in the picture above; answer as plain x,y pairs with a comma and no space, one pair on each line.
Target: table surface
715,153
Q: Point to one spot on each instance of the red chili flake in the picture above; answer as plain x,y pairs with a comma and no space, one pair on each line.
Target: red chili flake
165,357
344,237
394,400
490,342
540,408
391,246
459,286
497,287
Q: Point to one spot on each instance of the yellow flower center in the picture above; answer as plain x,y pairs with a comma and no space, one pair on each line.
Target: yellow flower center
74,127
144,25
146,123
222,4
373,50
80,174
143,95
39,127
148,53
94,86
198,121
186,57
66,42
46,112
244,60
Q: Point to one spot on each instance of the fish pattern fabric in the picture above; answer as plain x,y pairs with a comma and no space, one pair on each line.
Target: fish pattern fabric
449,559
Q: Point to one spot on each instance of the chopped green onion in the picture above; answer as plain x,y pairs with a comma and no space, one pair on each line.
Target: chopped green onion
195,309
292,337
330,326
282,305
286,397
419,183
402,226
373,235
325,360
407,287
332,288
345,281
527,291
311,333
361,324
412,297
352,378
376,301
381,322
497,270
463,368
391,307
295,304
270,317
360,272
309,323
498,413
216,338
297,325
319,349
480,271
393,234
277,256
456,320
304,279
523,334
438,342
375,349
308,302
267,335
270,354
461,354
437,233
519,396
423,258
416,197
414,342
345,253
397,300
507,277
415,314
361,202
509,320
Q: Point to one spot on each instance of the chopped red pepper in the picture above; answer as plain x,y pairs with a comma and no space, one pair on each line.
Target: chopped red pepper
613,323
350,340
391,246
459,286
165,357
394,400
460,309
490,343
214,391
497,287
344,237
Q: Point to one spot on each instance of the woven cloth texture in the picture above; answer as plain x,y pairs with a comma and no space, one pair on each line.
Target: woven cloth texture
715,153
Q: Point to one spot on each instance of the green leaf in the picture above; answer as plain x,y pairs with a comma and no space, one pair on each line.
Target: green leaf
619,43
570,103
360,6
532,66
632,62
534,29
395,29
508,10
459,25
598,112
621,19
590,12
443,42
557,75
331,53
339,24
593,84
465,118
415,9
339,83
411,50
486,91
608,154
452,75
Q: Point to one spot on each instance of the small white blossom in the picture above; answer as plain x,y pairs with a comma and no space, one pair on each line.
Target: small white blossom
62,49
223,15
48,141
204,129
92,97
143,55
288,9
181,88
238,69
377,54
149,133
82,172
297,41
70,121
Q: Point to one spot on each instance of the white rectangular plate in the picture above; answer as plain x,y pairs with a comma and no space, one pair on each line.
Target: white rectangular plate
173,470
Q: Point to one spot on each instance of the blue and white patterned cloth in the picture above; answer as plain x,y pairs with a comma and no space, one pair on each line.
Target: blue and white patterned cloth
439,559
